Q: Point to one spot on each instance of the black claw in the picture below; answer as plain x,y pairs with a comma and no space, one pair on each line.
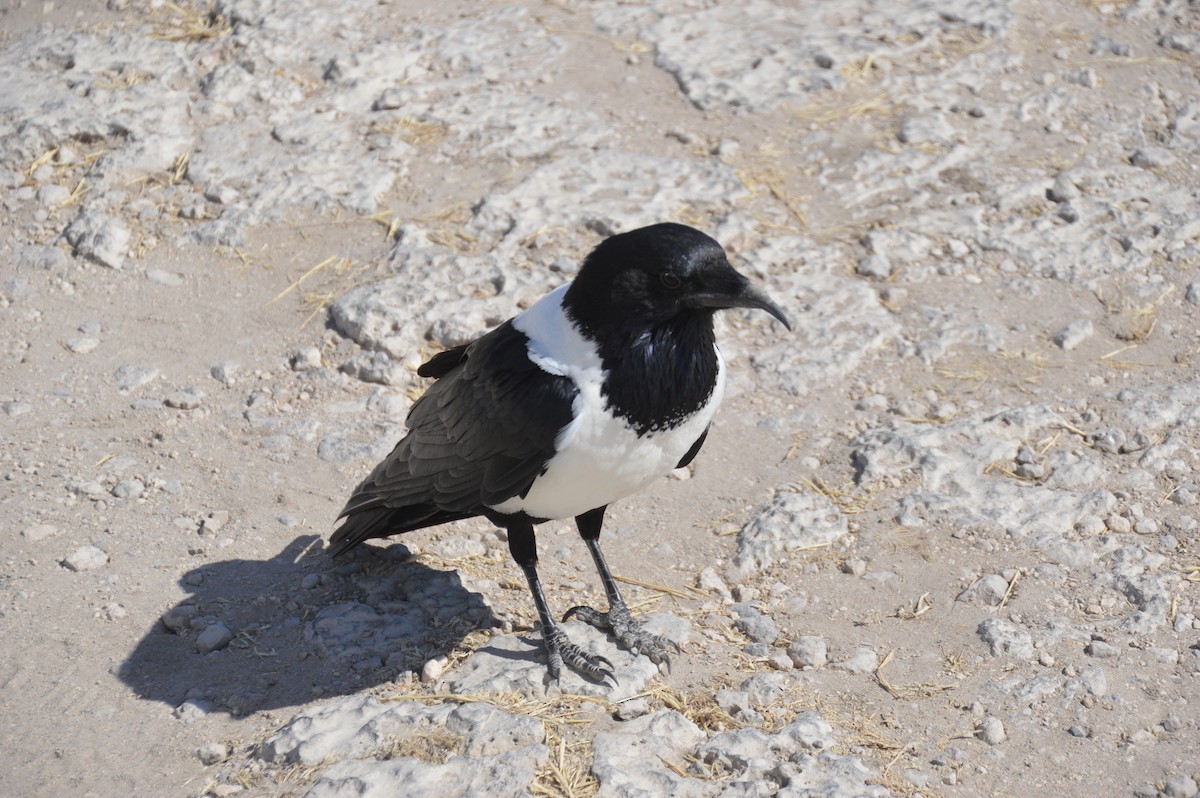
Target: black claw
560,649
628,632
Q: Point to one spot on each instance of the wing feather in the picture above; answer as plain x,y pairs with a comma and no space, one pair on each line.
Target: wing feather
479,436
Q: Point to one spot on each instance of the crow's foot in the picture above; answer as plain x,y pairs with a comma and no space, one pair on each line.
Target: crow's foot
560,649
628,631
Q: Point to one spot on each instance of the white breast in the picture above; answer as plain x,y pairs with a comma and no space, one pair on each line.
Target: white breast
599,457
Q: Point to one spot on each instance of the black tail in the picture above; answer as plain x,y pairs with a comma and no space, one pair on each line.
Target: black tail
382,522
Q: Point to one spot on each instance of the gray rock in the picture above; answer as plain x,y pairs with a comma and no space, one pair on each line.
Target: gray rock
132,376
808,732
738,751
99,237
192,710
763,689
1180,786
86,558
511,664
15,409
129,489
989,590
754,624
1064,189
163,277
375,367
860,660
738,705
82,344
1102,650
212,753
37,532
178,619
629,761
1074,334
504,775
186,399
306,359
1152,158
355,727
37,256
712,582
991,731
1091,680
876,266
367,444
808,652
791,522
225,371
1005,639
214,638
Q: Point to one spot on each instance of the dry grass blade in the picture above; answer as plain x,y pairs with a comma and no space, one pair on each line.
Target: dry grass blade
191,24
670,591
436,746
563,709
567,773
847,501
921,606
907,691
1008,590
1135,321
328,261
41,161
699,707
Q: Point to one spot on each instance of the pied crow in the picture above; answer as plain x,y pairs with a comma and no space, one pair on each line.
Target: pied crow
603,385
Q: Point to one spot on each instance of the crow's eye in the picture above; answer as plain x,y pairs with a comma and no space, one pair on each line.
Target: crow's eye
670,280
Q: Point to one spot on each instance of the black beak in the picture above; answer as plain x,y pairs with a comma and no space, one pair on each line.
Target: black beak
744,295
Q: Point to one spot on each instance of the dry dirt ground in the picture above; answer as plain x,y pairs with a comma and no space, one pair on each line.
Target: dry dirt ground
222,517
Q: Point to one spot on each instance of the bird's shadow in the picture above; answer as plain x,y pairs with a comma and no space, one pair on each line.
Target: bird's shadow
300,626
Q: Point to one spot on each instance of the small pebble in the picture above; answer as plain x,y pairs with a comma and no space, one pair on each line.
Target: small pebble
1181,786
212,753
1102,650
855,566
39,532
135,375
306,359
81,345
1074,334
193,709
808,652
128,489
225,371
433,669
86,558
991,731
628,710
163,277
214,638
179,618
187,399
1117,523
861,660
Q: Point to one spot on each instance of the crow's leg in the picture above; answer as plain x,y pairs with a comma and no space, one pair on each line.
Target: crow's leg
559,648
619,620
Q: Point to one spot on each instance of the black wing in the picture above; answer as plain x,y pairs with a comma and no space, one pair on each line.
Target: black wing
480,435
695,450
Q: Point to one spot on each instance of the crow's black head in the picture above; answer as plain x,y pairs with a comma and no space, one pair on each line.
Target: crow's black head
653,275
